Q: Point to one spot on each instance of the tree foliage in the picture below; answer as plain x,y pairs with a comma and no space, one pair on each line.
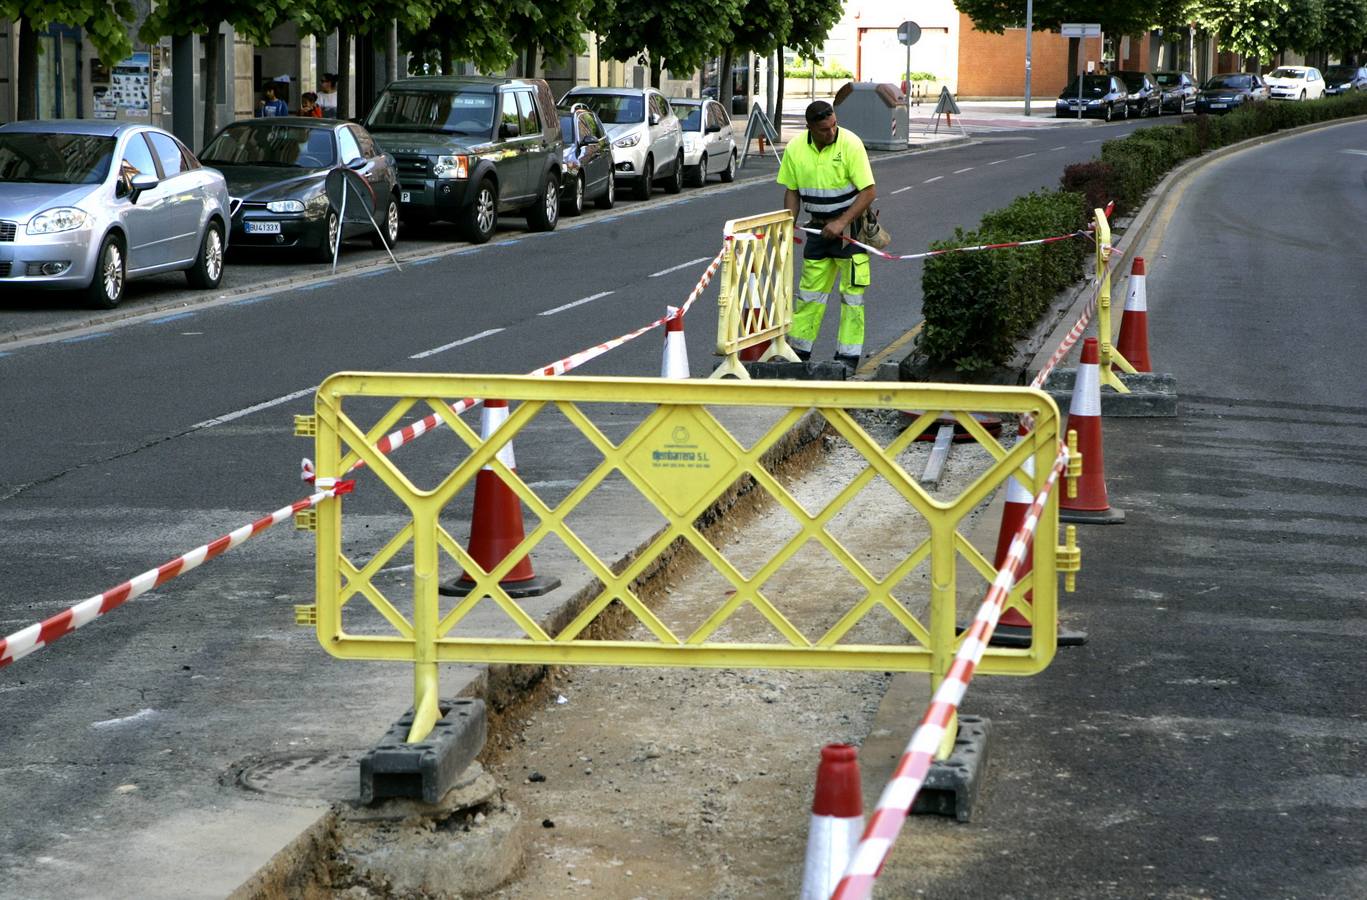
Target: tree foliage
471,30
1345,27
1115,16
812,23
1246,27
556,30
1300,27
105,23
680,34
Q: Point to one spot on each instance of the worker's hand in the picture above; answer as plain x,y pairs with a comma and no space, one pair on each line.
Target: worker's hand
835,228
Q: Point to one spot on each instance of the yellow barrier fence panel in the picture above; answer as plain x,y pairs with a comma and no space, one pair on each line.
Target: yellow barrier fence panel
665,442
755,303
1109,354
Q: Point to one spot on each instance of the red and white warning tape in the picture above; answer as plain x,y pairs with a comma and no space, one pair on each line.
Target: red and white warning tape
885,255
896,800
40,634
408,433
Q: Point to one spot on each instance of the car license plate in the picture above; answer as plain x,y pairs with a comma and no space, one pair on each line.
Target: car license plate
263,228
1218,105
405,197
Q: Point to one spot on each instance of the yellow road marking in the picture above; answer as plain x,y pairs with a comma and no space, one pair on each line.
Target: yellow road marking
877,359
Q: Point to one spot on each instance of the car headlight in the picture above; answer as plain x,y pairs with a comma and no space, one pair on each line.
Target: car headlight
62,218
452,167
690,140
285,206
1095,102
630,140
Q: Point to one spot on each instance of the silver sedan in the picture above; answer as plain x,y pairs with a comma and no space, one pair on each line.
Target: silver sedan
87,205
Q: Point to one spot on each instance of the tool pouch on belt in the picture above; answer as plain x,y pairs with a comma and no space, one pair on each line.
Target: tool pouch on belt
867,230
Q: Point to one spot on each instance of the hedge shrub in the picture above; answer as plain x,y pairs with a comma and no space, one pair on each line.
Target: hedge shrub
976,305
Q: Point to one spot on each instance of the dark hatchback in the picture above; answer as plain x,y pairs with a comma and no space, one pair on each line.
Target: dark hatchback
1345,79
588,160
1097,95
1229,91
1179,91
278,170
1146,97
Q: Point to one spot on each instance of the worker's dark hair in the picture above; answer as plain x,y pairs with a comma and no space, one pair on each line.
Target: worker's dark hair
818,110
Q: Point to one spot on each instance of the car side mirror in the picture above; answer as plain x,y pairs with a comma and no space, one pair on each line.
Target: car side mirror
356,164
140,183
654,119
713,129
509,130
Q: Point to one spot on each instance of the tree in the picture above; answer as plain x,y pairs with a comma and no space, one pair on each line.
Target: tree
105,24
472,30
555,30
253,19
1345,28
1300,27
362,17
1115,16
1245,27
682,34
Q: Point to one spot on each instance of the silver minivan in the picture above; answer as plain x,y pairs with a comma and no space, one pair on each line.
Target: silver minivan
87,205
647,142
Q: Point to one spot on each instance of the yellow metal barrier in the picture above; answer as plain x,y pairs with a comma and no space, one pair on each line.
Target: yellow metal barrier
755,304
1109,354
681,459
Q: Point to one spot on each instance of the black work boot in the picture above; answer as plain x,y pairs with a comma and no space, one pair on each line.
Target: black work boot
803,355
851,363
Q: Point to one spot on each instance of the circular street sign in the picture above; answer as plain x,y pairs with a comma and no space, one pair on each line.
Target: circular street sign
908,33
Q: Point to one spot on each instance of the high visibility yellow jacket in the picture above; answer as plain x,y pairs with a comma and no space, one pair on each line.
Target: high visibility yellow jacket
827,179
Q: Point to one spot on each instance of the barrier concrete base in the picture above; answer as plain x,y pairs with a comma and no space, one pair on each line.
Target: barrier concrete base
825,370
427,769
951,785
1108,516
1152,394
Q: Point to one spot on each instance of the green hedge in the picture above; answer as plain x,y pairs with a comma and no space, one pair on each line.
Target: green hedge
976,305
830,70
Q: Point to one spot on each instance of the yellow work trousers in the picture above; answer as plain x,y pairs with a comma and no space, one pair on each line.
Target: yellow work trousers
818,280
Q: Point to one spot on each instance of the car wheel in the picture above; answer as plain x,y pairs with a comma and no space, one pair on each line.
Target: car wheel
389,226
480,218
1125,111
106,285
1302,95
728,175
574,201
610,195
644,183
207,271
697,175
324,252
545,213
1109,112
676,179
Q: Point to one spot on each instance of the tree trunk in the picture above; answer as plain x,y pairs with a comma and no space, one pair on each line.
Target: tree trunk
28,71
343,72
448,65
391,52
778,101
656,71
725,86
210,42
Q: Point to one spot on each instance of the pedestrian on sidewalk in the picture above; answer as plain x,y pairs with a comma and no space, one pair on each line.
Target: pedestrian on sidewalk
327,95
269,105
828,172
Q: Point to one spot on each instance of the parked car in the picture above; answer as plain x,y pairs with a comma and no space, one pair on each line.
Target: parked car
1146,98
709,140
87,205
587,161
1295,83
1229,91
1345,79
647,142
278,170
1179,90
470,148
1101,95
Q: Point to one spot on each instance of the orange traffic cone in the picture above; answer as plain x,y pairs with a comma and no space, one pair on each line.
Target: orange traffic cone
496,525
753,321
1084,416
675,361
837,821
1134,322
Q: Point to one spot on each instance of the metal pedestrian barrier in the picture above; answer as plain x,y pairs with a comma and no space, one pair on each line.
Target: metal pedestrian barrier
755,304
672,448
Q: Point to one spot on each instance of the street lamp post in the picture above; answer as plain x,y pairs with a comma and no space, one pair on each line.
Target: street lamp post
1029,30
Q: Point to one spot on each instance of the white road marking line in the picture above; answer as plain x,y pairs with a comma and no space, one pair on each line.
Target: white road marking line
900,190
1355,152
444,347
691,262
963,170
996,162
228,417
1097,141
1052,149
598,296
1024,155
929,180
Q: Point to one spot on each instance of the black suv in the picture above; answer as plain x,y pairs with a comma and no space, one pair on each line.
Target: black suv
469,148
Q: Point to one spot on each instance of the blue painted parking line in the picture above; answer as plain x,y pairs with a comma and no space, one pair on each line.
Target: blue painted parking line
176,317
248,301
319,286
85,337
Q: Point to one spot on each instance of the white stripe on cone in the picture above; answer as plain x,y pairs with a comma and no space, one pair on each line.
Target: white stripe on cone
495,414
675,361
830,846
1086,391
1137,298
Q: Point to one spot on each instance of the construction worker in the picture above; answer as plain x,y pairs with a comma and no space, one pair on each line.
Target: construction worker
828,172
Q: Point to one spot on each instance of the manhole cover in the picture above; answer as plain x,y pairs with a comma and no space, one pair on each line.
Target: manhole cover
302,776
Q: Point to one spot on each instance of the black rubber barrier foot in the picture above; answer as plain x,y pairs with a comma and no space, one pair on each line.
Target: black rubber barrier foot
1110,516
951,785
532,587
1019,636
826,370
427,769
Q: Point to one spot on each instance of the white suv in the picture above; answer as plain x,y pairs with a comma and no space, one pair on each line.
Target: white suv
647,142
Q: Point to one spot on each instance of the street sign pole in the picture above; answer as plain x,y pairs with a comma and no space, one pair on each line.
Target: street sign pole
908,33
1079,30
1029,29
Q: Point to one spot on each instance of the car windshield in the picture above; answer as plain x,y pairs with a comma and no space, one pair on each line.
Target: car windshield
1234,82
1091,84
1167,78
253,144
55,158
1287,73
445,112
1339,73
693,120
1133,80
614,109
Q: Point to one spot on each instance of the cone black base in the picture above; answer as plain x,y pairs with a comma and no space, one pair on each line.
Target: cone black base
1019,636
1108,516
532,587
